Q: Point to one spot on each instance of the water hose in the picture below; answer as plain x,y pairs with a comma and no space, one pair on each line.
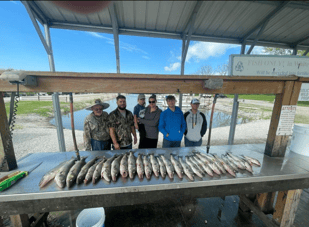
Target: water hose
73,128
210,124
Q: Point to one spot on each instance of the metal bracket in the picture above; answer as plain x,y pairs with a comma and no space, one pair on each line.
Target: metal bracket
215,83
20,77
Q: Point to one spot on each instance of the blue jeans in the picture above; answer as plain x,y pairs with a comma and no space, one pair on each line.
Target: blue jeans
121,148
189,143
100,145
167,143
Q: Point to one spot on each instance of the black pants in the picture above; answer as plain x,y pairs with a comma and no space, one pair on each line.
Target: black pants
149,143
142,135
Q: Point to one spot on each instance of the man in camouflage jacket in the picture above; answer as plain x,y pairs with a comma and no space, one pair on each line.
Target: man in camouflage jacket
121,125
96,131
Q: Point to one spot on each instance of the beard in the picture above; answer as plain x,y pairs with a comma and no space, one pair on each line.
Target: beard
122,108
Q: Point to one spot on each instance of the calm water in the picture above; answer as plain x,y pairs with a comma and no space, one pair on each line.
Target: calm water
220,119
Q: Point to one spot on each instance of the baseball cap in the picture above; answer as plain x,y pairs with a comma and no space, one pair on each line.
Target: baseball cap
195,101
141,96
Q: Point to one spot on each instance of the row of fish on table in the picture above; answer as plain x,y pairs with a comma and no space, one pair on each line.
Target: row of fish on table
198,164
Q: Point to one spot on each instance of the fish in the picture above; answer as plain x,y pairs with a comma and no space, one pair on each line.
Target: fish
177,166
61,176
239,163
97,172
205,166
162,167
106,168
169,167
197,165
248,166
252,160
155,165
187,169
115,168
147,167
131,165
91,170
82,174
124,171
213,167
231,164
50,175
194,168
225,166
140,167
74,171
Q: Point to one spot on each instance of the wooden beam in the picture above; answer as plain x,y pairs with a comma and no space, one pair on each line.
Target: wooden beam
276,145
265,201
286,206
7,155
154,76
124,85
21,220
268,222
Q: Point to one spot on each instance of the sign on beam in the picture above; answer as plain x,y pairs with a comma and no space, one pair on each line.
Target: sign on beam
286,120
271,65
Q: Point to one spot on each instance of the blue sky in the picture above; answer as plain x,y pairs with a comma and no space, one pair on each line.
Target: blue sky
79,51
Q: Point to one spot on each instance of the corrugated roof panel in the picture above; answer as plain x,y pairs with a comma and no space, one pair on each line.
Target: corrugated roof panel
239,20
94,19
119,13
213,9
230,21
257,14
203,11
299,34
279,23
185,16
50,10
163,15
221,16
105,17
128,14
285,29
140,14
152,10
176,12
68,15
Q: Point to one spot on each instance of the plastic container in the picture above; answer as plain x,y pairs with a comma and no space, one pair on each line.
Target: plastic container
94,217
300,139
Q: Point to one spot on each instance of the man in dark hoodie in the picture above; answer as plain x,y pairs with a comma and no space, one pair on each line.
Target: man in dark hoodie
196,125
172,124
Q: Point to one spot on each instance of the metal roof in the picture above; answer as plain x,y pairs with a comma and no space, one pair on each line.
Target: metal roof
282,24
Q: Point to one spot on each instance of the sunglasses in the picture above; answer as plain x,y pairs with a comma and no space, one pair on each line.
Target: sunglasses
152,101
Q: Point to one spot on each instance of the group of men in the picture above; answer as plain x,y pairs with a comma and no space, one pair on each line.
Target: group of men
103,131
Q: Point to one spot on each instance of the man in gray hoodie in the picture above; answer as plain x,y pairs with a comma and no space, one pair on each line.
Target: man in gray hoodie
196,125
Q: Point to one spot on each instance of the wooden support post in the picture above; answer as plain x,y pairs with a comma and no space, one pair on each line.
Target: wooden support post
7,156
21,220
276,145
286,206
265,201
268,222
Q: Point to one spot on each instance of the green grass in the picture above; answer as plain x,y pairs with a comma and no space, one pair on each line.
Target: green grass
269,98
43,108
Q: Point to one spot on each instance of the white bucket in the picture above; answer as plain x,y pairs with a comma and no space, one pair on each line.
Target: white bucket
300,139
94,217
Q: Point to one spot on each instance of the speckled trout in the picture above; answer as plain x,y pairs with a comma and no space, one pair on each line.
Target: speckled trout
74,171
131,165
106,169
162,167
61,176
169,167
82,174
177,166
155,165
187,169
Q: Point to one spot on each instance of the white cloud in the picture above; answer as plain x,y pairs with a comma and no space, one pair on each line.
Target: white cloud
201,51
172,67
122,45
146,57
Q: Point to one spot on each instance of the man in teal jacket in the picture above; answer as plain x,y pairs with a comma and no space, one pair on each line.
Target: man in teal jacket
172,124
